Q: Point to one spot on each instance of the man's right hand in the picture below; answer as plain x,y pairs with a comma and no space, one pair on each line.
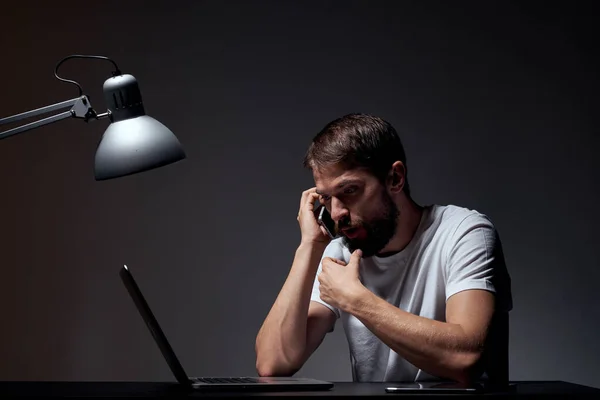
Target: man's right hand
310,229
295,325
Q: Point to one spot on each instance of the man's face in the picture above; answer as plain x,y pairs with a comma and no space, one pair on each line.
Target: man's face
365,213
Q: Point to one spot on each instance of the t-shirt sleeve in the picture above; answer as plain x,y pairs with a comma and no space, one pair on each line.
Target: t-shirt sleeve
476,261
333,250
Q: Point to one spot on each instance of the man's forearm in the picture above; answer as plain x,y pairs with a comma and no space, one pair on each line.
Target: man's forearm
281,341
439,348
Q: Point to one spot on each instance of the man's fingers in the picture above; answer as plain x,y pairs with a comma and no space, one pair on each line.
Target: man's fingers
309,203
355,259
329,260
356,255
305,195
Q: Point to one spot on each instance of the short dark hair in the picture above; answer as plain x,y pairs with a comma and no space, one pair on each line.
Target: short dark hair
357,141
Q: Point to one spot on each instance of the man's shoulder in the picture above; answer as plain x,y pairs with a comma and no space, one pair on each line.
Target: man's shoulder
452,218
337,249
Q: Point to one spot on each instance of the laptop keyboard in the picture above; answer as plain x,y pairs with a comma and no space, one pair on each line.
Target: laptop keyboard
225,380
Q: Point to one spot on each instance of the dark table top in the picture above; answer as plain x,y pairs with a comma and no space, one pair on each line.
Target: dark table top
162,389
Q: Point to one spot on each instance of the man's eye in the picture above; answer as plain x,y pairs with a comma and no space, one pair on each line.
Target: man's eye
349,190
323,198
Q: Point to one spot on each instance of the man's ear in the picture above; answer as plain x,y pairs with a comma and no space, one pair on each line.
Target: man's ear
397,177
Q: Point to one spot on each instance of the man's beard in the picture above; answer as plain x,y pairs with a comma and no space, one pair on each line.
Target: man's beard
379,230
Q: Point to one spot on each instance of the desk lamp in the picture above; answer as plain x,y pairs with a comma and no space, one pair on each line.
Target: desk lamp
133,142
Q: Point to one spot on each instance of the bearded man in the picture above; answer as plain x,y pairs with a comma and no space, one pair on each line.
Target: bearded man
422,291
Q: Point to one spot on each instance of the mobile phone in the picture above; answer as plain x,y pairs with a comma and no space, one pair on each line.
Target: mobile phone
324,219
432,387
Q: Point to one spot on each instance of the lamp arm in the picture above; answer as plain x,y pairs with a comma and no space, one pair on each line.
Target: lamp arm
35,124
80,108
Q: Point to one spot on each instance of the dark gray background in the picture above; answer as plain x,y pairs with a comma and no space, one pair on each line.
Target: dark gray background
494,101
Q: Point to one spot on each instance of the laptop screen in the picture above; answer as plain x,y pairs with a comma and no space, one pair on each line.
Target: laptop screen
157,333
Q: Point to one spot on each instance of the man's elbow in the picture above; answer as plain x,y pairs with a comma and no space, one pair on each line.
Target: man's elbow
265,370
271,364
271,369
467,367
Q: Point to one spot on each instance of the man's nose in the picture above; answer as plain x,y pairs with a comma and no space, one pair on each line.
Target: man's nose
338,210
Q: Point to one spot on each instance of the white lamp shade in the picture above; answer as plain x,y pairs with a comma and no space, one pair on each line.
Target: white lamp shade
134,145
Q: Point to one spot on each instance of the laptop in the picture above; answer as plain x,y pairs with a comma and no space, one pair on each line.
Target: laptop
244,383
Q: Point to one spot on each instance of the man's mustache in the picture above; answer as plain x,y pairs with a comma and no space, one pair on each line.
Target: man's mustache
346,223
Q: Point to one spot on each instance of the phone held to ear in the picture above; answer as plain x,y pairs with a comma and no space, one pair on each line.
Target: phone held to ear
324,219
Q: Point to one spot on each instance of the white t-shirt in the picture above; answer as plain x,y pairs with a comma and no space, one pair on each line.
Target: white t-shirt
453,249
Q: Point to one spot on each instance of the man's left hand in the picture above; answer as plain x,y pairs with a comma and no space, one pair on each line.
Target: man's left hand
340,282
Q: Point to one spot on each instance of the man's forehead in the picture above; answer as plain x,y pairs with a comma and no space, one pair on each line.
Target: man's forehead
330,178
